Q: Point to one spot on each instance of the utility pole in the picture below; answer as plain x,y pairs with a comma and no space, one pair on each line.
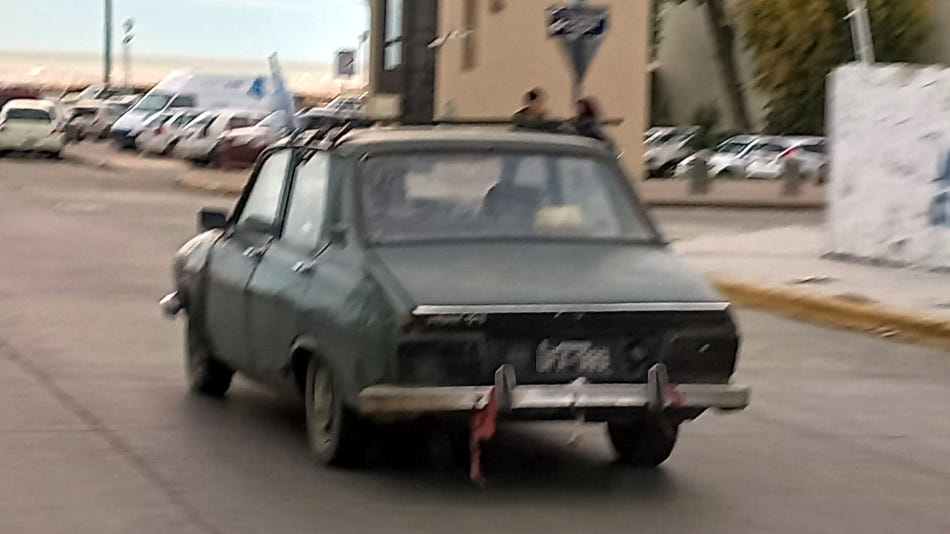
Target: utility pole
861,31
126,50
107,48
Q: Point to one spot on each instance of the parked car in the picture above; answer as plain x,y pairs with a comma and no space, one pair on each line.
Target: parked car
97,92
767,156
79,118
163,131
239,147
109,112
18,92
666,148
727,161
191,90
199,139
392,273
31,126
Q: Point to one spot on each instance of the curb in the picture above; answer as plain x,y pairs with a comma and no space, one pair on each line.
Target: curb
207,186
836,312
734,204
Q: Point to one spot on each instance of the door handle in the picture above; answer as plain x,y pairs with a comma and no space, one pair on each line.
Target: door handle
303,267
253,252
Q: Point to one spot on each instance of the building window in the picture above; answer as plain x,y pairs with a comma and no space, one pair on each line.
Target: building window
469,34
392,51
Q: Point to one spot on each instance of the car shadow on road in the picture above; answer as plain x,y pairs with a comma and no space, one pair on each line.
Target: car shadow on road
429,458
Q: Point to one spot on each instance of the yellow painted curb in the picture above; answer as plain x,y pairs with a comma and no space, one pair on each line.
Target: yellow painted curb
840,313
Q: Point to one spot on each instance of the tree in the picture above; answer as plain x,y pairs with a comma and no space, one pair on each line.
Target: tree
724,36
798,42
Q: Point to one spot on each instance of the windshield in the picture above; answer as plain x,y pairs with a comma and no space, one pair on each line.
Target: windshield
28,114
478,196
667,138
153,102
732,147
156,119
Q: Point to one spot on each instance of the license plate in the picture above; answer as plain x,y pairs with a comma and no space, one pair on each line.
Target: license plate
579,356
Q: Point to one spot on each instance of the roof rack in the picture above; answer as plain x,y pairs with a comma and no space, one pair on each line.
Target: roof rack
331,135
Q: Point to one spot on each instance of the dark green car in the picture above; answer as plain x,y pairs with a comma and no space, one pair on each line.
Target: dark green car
399,272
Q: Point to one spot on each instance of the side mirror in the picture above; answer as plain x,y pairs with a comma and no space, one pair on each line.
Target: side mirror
211,219
337,234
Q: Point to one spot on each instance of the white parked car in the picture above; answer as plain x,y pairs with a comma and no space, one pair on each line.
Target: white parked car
666,148
31,126
727,161
765,159
163,130
200,137
108,113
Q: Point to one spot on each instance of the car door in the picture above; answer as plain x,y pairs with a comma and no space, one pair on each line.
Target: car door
288,267
237,254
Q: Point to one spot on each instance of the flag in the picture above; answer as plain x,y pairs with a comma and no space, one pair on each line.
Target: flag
283,100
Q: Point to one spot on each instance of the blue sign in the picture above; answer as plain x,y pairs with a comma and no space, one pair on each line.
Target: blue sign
257,87
577,22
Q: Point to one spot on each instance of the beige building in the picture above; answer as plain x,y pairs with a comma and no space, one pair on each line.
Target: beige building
488,53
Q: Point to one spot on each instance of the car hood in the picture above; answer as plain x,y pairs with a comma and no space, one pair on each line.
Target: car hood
482,274
130,120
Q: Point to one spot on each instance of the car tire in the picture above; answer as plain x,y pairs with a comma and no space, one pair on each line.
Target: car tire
333,431
169,149
206,375
727,175
56,155
646,442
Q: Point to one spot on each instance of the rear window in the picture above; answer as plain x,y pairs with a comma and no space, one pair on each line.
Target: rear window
157,119
815,148
769,148
27,114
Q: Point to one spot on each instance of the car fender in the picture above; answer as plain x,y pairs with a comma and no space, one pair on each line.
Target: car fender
189,268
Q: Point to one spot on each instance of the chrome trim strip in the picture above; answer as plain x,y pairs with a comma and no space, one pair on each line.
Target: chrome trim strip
573,308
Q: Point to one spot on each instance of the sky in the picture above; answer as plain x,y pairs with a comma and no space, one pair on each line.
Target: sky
299,30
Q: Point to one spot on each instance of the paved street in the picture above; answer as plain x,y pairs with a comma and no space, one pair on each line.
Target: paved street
846,433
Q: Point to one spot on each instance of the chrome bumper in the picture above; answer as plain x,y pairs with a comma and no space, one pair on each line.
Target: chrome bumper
656,395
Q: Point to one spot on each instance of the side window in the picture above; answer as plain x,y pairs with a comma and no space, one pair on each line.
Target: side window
308,200
264,200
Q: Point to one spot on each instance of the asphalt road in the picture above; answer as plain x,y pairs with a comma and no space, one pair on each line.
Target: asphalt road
846,433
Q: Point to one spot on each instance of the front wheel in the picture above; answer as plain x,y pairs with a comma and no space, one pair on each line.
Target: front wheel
206,375
333,430
643,443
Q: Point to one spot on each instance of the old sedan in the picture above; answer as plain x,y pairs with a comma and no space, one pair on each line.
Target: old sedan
397,272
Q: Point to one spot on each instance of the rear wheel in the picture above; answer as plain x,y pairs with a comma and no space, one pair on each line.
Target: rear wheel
646,442
206,375
333,430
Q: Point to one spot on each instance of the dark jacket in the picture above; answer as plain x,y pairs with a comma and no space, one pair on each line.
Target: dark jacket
590,127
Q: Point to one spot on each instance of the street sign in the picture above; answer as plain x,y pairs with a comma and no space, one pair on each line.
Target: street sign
581,30
346,62
577,22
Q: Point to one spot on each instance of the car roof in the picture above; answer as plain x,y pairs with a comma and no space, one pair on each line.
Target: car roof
397,137
29,103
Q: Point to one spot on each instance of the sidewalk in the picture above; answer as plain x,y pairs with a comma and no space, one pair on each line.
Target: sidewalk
782,270
731,194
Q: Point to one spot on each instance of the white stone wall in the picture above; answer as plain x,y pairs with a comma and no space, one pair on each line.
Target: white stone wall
889,195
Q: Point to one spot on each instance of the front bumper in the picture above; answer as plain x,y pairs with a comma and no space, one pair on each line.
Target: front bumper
124,138
552,401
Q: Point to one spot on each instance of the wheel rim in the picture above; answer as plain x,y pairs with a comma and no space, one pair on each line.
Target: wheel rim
321,414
